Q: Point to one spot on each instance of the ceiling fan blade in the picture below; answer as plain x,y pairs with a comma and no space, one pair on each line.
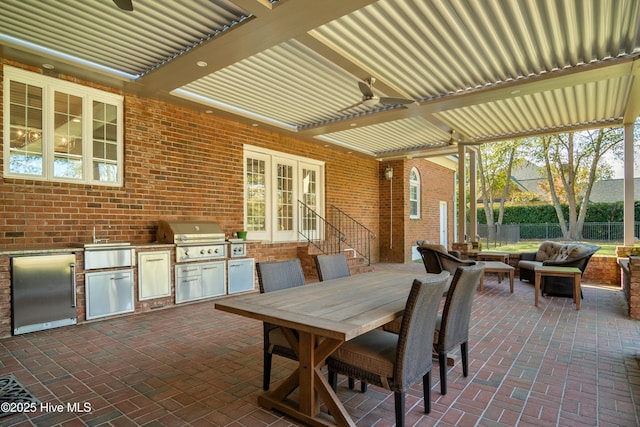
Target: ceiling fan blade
124,4
365,89
350,107
395,101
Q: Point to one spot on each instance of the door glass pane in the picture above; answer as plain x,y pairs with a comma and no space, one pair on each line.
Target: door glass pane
256,199
285,198
309,197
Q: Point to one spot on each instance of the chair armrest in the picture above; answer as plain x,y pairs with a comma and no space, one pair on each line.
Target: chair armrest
528,256
455,253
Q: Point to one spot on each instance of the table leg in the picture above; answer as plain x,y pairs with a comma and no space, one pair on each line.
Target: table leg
313,387
577,290
511,277
481,281
538,278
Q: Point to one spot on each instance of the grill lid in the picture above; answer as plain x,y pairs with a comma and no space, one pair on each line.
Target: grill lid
189,232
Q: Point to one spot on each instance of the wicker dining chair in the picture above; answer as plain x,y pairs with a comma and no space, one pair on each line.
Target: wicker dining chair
396,361
274,276
332,266
452,326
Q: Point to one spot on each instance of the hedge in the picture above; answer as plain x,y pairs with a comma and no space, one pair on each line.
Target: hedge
542,214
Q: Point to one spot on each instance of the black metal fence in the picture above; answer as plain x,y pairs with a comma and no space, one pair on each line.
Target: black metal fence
498,235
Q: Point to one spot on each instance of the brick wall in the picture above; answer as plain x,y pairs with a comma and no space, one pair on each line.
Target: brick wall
603,270
632,286
437,185
180,163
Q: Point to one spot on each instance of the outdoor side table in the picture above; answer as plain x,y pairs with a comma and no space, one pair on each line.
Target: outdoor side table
551,271
500,268
493,256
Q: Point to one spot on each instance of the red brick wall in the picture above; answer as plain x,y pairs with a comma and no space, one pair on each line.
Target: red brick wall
632,291
437,184
180,163
603,270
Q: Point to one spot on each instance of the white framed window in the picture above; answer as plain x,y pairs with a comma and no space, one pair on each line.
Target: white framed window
61,131
274,183
414,194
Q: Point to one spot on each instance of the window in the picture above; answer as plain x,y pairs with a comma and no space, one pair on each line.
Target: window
61,131
274,183
414,194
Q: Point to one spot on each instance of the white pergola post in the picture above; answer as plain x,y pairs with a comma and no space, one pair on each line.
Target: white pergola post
473,196
629,220
462,205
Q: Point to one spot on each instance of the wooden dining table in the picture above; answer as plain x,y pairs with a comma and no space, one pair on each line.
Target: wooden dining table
316,319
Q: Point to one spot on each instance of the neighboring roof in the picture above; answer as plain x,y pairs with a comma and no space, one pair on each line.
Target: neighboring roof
477,71
527,178
612,190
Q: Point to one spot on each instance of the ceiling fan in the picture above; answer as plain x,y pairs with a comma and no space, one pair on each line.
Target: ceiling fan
124,4
369,99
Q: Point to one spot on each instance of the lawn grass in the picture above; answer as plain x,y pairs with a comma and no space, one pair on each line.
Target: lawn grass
606,248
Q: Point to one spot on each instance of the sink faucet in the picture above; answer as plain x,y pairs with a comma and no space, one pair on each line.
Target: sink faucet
95,239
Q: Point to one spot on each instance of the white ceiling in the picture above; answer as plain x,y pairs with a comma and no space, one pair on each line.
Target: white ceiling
478,70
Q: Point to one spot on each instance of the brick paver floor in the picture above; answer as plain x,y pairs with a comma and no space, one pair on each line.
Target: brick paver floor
195,366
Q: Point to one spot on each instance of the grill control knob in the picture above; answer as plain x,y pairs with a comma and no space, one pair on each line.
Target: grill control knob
202,252
210,251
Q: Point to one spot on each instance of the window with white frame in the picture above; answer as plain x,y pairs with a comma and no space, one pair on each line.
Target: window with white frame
61,131
414,194
274,183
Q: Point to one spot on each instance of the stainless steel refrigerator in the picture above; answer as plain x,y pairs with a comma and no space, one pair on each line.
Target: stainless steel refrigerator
43,292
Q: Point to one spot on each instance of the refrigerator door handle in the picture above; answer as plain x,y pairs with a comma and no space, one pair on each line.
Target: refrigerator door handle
72,266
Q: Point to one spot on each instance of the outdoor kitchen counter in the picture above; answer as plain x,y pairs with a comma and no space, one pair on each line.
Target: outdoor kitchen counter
75,247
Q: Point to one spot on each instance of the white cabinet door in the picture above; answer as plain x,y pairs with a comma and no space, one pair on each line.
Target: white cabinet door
214,278
154,274
109,293
241,275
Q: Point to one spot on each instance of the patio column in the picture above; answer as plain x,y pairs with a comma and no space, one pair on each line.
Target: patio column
629,220
462,205
473,196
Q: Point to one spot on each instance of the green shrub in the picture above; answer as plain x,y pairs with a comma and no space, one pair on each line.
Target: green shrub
543,214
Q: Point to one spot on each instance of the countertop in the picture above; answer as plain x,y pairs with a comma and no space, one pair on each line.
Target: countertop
79,247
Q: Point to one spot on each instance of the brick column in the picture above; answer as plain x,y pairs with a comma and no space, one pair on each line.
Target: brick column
634,287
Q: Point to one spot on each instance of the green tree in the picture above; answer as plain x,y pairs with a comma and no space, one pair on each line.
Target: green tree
495,163
572,163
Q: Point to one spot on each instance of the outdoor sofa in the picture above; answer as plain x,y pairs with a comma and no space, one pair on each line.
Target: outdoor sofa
556,254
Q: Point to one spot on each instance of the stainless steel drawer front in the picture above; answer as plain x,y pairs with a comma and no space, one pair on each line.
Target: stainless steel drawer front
108,258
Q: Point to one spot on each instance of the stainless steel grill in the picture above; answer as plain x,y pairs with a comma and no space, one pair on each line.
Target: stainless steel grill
194,240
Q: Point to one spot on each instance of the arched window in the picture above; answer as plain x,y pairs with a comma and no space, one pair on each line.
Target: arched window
414,193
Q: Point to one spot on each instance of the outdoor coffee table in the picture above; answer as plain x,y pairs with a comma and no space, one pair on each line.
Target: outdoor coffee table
573,272
500,268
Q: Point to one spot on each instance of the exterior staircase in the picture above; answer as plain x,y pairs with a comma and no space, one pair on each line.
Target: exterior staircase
323,237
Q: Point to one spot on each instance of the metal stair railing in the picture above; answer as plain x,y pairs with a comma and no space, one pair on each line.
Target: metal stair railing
357,236
318,231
